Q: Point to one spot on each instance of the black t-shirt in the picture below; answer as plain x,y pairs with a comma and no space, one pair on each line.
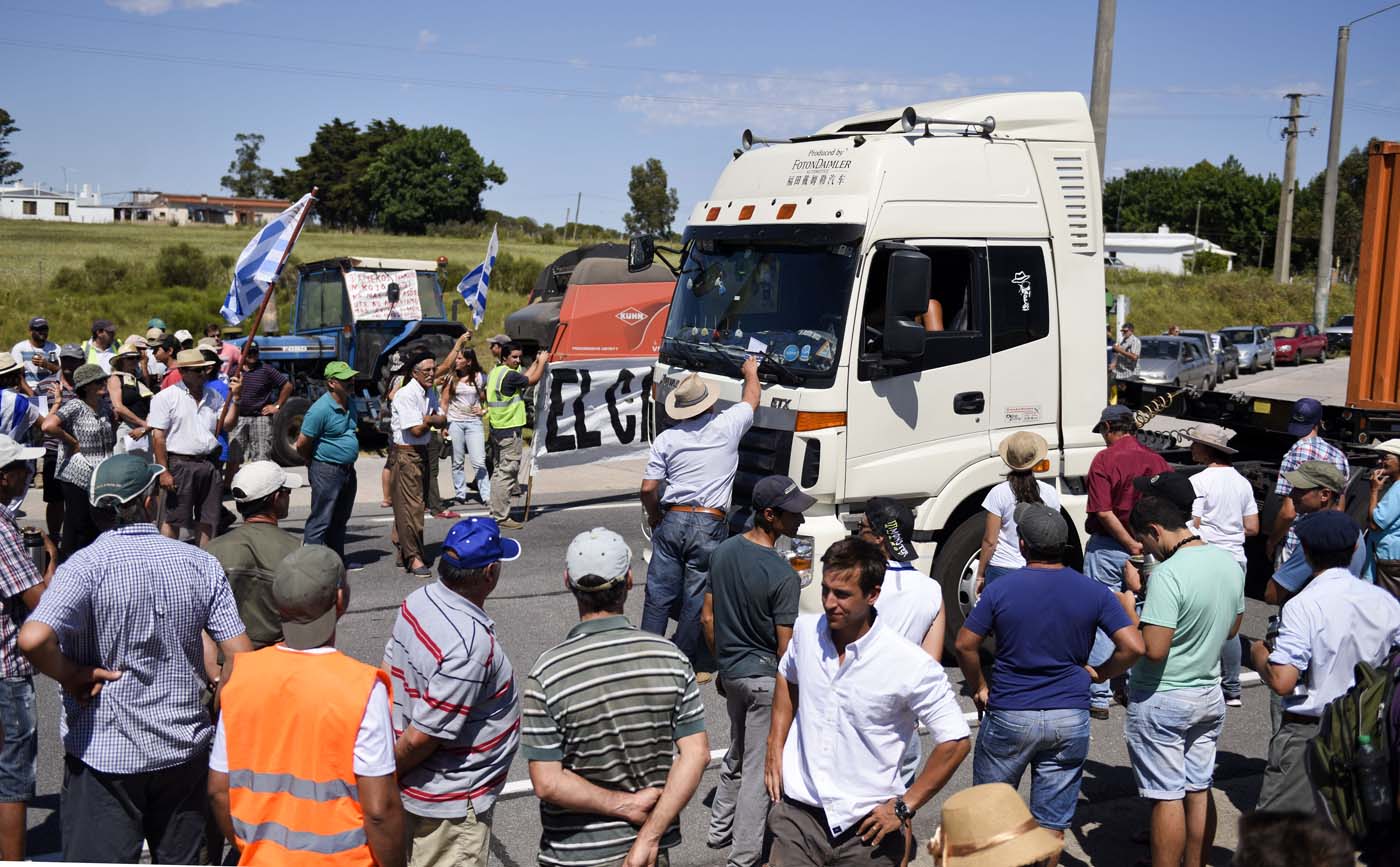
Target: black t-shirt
755,590
513,382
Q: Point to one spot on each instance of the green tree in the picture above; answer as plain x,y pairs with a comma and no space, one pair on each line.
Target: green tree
1351,203
653,203
428,176
246,177
336,162
8,168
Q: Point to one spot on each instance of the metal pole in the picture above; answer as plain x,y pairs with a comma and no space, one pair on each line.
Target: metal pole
1323,287
1283,239
1196,242
1103,74
577,205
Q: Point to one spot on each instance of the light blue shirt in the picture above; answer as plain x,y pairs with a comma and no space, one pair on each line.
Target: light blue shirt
698,457
1385,542
1334,623
1295,571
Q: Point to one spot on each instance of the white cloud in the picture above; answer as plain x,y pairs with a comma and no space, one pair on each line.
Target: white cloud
159,7
427,38
646,41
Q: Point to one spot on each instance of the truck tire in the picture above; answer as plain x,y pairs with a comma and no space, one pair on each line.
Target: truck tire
286,426
955,570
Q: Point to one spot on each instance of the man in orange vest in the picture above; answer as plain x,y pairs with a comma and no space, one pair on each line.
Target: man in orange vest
302,767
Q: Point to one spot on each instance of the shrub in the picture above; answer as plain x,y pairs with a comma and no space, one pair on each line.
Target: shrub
184,264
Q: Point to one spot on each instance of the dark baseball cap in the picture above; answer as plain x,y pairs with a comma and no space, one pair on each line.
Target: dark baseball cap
304,591
1040,526
1306,414
475,543
780,492
103,325
892,521
1327,531
1173,487
1115,413
120,479
38,323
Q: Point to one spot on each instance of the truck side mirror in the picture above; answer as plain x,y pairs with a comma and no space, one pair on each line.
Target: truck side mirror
906,296
641,252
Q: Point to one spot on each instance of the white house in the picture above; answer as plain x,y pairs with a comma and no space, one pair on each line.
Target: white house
33,202
1163,250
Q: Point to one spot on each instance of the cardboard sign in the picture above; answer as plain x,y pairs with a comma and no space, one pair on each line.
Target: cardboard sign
589,411
369,295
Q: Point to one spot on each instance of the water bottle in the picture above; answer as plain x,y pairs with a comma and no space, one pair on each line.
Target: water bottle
34,547
1372,772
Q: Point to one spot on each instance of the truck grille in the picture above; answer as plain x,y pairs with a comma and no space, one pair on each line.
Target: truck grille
762,452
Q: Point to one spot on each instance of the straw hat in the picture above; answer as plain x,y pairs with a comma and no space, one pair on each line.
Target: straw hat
692,397
989,826
138,341
1213,435
127,349
192,358
1388,446
8,364
1023,450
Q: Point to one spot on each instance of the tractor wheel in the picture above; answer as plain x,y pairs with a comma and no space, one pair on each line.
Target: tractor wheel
286,427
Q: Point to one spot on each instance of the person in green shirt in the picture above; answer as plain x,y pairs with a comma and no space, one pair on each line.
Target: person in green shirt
1195,600
329,443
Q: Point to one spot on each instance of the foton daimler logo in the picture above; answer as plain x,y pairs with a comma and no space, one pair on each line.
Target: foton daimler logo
632,316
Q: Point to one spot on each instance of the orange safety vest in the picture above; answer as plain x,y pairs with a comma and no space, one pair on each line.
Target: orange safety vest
290,722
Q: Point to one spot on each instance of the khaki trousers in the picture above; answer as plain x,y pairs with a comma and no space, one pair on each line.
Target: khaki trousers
408,488
462,841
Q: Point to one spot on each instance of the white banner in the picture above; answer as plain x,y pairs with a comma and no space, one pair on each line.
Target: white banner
588,411
369,295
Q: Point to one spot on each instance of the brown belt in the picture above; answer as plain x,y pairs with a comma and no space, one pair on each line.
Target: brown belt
699,510
1301,719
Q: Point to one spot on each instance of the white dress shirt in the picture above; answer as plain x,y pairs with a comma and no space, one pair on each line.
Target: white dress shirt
189,426
698,457
909,601
410,405
1336,621
855,720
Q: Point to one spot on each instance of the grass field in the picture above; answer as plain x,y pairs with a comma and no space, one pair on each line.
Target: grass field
1214,301
33,252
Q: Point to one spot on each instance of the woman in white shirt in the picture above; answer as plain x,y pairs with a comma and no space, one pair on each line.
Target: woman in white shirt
1001,551
463,393
1225,514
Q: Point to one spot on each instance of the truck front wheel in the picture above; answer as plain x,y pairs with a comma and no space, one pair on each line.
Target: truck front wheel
286,427
955,570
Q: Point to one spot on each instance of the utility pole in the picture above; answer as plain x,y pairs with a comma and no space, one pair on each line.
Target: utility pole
1283,239
1103,74
1323,287
565,233
1196,242
578,204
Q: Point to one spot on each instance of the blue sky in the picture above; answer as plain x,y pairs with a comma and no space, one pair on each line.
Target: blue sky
567,96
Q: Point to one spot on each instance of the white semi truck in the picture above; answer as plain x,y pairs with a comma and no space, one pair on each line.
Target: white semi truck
824,252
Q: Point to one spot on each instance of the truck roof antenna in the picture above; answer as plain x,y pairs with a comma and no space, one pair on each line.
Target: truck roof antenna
747,140
911,119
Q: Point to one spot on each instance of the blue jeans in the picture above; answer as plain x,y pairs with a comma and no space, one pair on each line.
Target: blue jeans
20,754
332,500
1172,736
1104,560
995,572
1053,743
469,440
1230,668
677,578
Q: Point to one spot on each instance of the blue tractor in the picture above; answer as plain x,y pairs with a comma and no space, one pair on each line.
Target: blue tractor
371,312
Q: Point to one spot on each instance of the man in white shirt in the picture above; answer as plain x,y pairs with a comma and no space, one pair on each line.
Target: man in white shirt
854,692
185,421
1335,621
413,422
38,354
697,459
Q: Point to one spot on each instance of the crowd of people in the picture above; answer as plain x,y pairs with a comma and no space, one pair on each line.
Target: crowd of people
207,714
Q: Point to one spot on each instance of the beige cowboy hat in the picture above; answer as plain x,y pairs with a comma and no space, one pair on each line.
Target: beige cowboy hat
192,358
8,364
1023,450
690,398
127,349
989,826
1213,435
1391,446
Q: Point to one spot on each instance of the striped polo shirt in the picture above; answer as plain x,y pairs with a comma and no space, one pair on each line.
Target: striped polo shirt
452,681
609,703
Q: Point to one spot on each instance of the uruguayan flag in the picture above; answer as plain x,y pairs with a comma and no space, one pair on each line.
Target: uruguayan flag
473,286
260,261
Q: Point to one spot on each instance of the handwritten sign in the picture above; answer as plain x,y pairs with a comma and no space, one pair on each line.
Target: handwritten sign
369,295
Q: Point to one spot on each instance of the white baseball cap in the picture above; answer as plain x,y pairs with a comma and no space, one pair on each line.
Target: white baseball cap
182,335
261,478
11,451
599,553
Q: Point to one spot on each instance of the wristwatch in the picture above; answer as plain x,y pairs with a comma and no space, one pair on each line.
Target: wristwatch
902,811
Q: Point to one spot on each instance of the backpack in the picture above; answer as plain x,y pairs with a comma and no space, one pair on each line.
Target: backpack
1365,709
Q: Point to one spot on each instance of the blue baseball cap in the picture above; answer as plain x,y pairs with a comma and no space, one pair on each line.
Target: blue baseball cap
1306,414
475,543
1329,530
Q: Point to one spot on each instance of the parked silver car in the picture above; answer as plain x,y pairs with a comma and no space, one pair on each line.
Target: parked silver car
1255,345
1214,359
1173,361
1227,358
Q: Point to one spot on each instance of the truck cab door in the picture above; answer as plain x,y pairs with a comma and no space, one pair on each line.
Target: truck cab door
914,423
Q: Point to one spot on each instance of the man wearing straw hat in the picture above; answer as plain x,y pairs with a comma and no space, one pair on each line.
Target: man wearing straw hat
185,421
989,826
696,459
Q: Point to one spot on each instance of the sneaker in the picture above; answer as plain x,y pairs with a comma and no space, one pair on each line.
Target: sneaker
1098,712
509,524
1234,701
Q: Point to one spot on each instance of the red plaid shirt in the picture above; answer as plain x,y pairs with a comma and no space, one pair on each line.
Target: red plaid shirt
17,574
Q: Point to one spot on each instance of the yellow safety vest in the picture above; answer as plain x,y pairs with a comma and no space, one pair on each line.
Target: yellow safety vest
503,413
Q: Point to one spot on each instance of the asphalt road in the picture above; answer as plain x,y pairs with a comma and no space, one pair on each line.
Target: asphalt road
533,611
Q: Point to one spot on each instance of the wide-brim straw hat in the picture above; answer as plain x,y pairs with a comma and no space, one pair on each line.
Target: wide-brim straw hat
1213,435
1391,446
690,398
127,350
188,358
8,364
990,826
1023,450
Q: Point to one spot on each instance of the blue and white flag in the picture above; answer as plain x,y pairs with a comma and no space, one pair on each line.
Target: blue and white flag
473,286
260,262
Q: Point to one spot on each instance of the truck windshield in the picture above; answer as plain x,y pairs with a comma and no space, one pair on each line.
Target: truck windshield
732,298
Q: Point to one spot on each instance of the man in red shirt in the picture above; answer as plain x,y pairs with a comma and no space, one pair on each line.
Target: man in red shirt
1111,499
